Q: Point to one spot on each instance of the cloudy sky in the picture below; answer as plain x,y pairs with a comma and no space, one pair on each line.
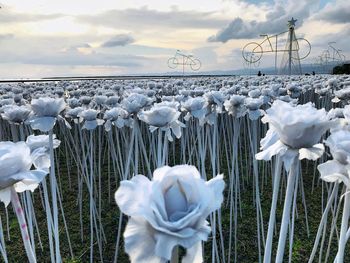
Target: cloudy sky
40,38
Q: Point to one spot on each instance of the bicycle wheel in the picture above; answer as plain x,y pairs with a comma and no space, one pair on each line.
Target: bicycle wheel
305,46
195,64
252,52
172,62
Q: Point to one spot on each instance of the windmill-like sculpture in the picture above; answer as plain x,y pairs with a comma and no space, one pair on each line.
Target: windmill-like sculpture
295,50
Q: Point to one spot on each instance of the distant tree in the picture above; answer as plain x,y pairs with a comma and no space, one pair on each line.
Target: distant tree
342,69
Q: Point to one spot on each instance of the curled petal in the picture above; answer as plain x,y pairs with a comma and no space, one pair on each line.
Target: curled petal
133,196
276,148
312,153
217,185
43,124
139,242
333,171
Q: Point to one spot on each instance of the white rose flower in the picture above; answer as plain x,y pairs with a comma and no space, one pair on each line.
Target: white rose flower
15,164
118,117
46,111
196,107
235,106
165,118
168,211
294,130
337,170
135,102
253,105
15,114
40,150
90,119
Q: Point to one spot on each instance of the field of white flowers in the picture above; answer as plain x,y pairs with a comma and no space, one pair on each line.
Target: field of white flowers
180,170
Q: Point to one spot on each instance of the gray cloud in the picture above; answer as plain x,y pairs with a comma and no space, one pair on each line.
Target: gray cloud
6,36
338,13
275,22
119,40
65,51
10,16
142,18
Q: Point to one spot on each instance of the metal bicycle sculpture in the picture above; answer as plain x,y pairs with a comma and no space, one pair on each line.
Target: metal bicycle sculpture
253,51
329,58
181,59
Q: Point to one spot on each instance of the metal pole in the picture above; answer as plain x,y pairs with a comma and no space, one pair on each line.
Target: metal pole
291,31
276,56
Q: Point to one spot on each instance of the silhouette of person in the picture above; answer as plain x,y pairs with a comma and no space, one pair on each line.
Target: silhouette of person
259,73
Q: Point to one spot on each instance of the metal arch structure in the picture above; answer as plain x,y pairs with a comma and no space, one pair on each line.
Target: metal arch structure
181,59
253,52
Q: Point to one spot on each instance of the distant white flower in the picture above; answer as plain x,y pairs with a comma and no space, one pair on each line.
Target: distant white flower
136,102
216,99
294,130
168,211
15,164
89,117
118,117
15,114
45,113
196,107
253,105
343,94
40,150
74,113
235,106
164,118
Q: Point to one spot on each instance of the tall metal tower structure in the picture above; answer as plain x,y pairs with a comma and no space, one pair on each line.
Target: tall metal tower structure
290,63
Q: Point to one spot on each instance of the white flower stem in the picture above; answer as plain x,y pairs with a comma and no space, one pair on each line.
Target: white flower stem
91,198
323,222
276,183
343,229
286,209
23,225
175,255
159,150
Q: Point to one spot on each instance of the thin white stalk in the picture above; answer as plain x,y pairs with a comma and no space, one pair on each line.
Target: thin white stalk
344,228
23,225
286,209
276,182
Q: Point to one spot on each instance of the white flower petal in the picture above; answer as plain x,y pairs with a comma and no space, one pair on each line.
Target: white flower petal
43,124
165,245
332,171
312,153
139,242
133,196
217,185
159,173
5,196
276,148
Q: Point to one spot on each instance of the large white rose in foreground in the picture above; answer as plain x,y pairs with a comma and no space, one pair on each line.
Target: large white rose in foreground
15,164
294,130
168,211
